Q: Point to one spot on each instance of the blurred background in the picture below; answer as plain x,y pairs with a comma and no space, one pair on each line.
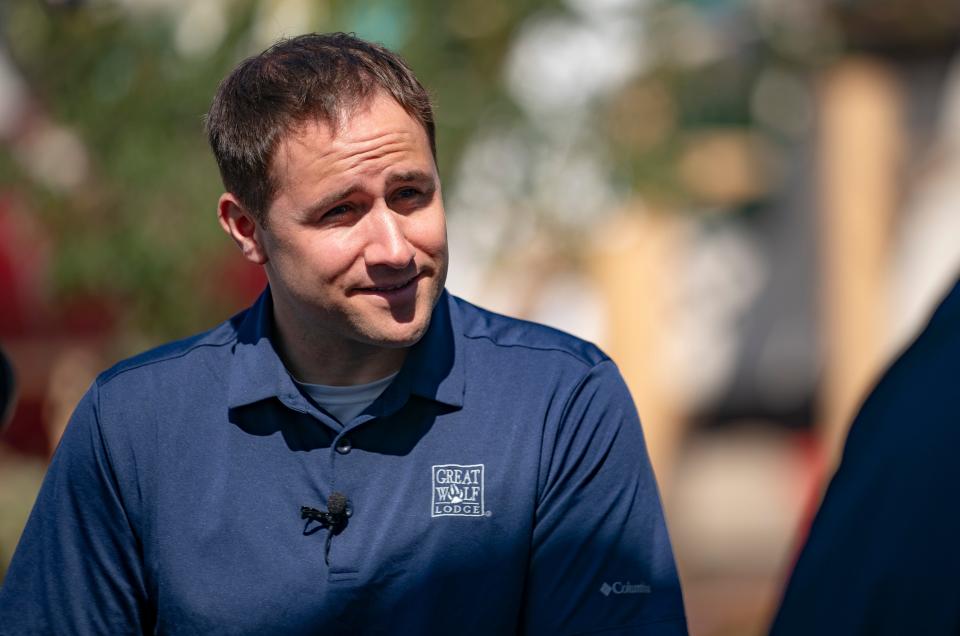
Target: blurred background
751,205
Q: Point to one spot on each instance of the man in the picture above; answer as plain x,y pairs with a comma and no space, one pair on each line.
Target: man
882,556
359,452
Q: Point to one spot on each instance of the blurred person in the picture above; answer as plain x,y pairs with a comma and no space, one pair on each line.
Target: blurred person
882,556
8,389
359,451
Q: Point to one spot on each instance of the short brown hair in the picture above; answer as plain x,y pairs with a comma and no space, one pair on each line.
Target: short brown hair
321,76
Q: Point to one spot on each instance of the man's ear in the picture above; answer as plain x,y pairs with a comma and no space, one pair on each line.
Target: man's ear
242,227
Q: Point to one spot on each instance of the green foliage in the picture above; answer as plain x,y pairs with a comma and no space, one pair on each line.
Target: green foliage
141,231
137,229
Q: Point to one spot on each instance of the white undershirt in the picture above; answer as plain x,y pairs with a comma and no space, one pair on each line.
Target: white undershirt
346,402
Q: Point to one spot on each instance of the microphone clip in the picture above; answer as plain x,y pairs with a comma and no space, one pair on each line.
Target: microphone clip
334,518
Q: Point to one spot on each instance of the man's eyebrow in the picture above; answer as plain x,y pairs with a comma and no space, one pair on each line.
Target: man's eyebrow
329,200
409,176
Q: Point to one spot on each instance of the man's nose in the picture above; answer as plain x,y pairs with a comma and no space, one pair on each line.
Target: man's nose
388,244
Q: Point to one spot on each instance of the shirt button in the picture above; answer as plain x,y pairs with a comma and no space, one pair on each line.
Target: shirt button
344,446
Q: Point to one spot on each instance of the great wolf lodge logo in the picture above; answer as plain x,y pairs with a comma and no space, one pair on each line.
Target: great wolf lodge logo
457,491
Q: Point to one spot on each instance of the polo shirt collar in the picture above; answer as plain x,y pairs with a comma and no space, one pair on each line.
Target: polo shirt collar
256,371
433,369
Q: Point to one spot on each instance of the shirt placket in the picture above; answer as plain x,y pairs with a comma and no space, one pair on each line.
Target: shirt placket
345,464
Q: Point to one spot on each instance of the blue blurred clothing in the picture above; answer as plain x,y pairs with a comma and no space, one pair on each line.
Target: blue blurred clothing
500,484
883,555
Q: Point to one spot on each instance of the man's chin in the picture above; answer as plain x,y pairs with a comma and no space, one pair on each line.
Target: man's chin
395,331
398,337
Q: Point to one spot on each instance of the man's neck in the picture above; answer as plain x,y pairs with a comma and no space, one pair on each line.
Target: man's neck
317,361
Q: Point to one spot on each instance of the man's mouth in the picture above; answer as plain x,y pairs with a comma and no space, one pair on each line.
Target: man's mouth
381,289
390,288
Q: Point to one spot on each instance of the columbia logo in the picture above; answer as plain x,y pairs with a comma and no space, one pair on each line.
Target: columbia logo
624,588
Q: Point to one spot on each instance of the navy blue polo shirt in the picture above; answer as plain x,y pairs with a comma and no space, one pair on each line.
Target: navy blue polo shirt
499,485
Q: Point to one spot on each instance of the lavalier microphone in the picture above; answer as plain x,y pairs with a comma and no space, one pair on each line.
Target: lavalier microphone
335,516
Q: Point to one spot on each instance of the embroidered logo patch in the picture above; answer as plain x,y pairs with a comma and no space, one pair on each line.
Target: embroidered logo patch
457,491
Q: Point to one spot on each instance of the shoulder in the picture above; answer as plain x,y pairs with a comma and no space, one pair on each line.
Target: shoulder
903,440
916,402
515,337
175,355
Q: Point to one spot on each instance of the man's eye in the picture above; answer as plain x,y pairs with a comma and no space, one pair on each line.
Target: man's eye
334,212
407,193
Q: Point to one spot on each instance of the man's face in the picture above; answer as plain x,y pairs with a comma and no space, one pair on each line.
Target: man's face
355,239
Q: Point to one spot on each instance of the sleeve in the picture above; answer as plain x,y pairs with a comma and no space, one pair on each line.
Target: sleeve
601,559
77,568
